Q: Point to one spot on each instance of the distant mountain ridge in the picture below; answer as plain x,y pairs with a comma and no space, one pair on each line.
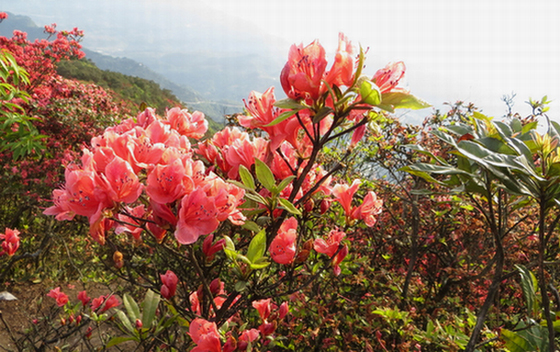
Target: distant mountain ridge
191,98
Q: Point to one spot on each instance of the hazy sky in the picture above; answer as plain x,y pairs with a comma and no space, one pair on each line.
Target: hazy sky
471,50
475,50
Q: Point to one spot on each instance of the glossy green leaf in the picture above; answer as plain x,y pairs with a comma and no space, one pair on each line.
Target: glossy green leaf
240,286
282,117
322,113
286,204
256,198
257,247
288,104
514,342
119,339
150,305
528,285
260,263
251,226
229,249
284,183
370,93
125,321
401,100
264,175
131,307
246,177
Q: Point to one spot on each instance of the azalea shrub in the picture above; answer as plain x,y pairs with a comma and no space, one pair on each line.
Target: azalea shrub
45,121
230,230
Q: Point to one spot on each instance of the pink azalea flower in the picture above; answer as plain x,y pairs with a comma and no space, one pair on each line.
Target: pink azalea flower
388,78
342,71
191,125
246,337
169,281
167,183
344,194
358,135
83,297
205,335
84,197
331,246
197,217
121,180
209,248
262,112
60,297
11,241
283,310
283,247
61,208
338,258
227,197
371,206
263,307
110,302
302,74
127,224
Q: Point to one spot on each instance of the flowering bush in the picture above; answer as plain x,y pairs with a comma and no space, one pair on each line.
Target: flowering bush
147,192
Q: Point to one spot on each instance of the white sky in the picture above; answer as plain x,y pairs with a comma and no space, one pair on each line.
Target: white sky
476,50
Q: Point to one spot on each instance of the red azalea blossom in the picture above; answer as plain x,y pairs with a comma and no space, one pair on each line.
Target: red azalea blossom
283,247
302,74
110,302
205,334
11,241
388,78
169,281
60,297
83,297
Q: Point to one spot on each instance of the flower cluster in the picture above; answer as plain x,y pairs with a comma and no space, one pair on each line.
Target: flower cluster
265,193
177,188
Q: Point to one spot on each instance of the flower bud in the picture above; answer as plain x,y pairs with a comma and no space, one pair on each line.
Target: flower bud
138,324
325,205
118,259
283,310
302,256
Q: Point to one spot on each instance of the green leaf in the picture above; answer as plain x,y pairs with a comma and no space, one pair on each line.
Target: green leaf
251,226
131,307
289,104
322,113
260,263
528,285
240,286
150,304
284,183
402,100
282,117
286,204
125,321
246,177
119,339
229,249
264,175
256,197
239,184
257,247
370,93
514,342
